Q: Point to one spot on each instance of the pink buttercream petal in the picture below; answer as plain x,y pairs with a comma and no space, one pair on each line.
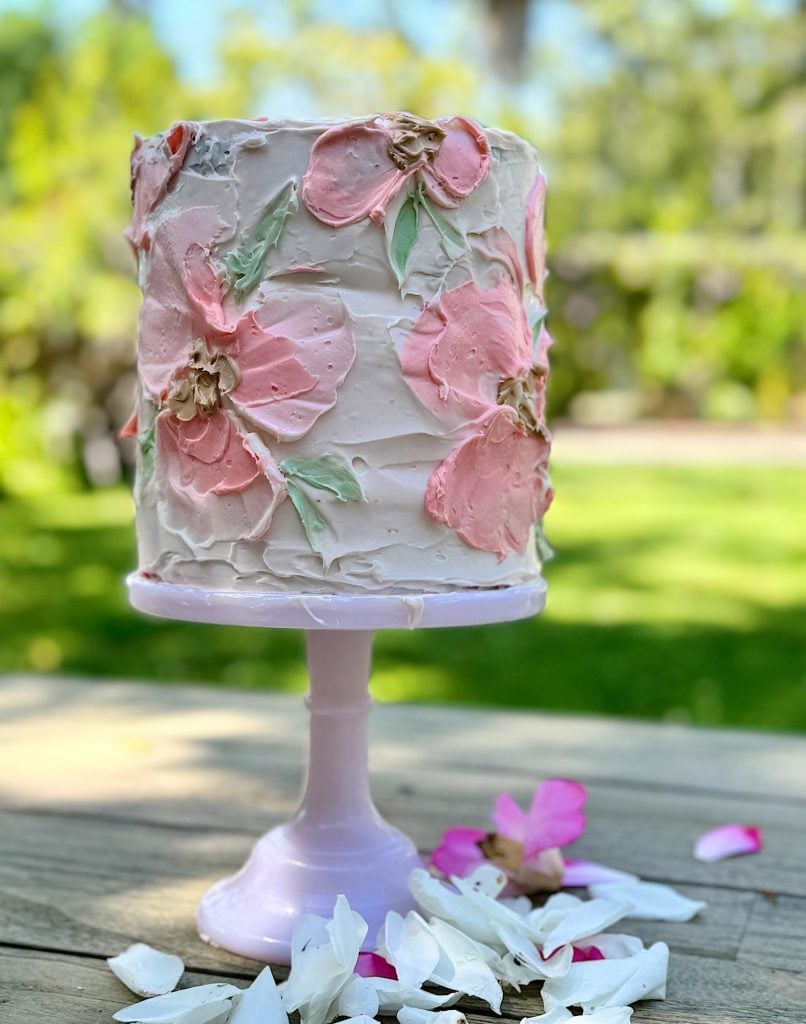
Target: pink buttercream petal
169,322
727,841
270,375
350,174
535,235
155,163
459,165
372,965
556,817
216,486
460,350
493,488
508,818
204,288
459,853
318,327
580,873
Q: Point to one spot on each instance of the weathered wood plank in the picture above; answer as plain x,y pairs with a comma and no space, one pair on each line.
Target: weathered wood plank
153,721
46,988
85,887
775,935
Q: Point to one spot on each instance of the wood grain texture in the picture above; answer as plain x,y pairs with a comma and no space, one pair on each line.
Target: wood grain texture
120,804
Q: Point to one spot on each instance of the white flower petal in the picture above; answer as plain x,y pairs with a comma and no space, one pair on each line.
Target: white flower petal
411,1015
559,1015
358,998
147,971
260,1003
650,900
521,905
176,1005
589,918
612,1015
393,996
437,900
462,966
614,946
488,880
408,945
359,1019
347,930
599,984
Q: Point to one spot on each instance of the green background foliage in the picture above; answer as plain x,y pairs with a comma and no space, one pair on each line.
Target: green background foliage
673,136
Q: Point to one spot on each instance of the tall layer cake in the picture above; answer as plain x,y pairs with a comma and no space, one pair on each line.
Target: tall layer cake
342,356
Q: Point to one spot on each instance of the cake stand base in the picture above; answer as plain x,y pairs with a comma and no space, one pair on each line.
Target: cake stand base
336,842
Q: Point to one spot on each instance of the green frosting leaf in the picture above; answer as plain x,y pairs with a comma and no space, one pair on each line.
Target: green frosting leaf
147,442
404,235
244,265
453,241
327,474
312,521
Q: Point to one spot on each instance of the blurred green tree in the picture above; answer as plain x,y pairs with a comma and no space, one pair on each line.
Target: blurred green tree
673,136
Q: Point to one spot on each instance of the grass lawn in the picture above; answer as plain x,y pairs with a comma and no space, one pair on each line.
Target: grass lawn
675,593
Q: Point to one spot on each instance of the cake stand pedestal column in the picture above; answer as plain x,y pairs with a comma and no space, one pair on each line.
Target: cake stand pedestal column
336,842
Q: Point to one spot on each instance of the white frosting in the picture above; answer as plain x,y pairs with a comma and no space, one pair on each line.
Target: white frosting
377,426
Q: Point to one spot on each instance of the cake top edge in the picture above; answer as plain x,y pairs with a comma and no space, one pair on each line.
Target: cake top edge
499,138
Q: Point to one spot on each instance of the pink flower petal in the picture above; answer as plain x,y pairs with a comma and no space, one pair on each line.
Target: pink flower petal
535,235
317,325
581,873
205,463
727,841
460,350
459,853
155,163
555,817
494,487
350,174
169,321
371,965
204,287
508,818
459,165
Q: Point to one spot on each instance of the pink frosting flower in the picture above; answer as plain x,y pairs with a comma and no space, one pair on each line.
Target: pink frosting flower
525,844
155,163
471,358
356,169
277,367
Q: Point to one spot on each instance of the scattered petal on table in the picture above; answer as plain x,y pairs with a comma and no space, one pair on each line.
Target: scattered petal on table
614,946
559,1015
612,1015
393,997
650,900
599,984
147,971
177,1006
589,918
260,1003
462,966
581,873
358,998
411,1015
408,945
371,965
522,905
360,1019
727,841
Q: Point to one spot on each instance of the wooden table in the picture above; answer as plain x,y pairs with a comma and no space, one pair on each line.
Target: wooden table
121,803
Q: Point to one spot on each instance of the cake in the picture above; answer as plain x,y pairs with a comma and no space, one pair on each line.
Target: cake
342,356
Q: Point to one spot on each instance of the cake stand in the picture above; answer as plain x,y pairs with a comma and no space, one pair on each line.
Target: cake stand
336,842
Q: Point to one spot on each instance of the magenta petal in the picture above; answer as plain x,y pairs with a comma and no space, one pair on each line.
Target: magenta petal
582,954
350,174
581,873
460,350
459,853
493,488
555,817
727,841
460,163
508,818
371,965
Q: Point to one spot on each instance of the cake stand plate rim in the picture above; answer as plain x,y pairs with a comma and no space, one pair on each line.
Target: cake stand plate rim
336,611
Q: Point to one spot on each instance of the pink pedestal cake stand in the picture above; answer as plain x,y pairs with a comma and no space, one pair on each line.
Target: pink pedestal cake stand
336,842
